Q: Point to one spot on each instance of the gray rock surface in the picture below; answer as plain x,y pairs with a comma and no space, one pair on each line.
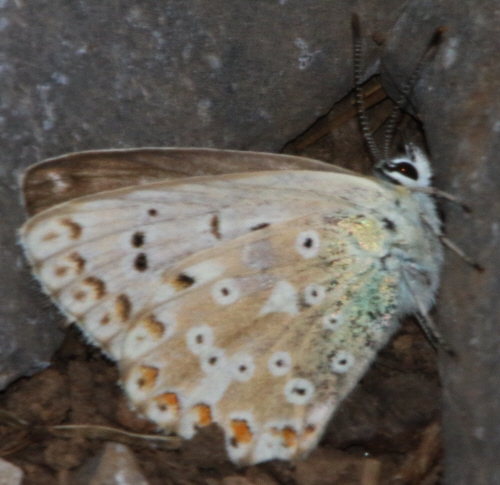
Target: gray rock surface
458,100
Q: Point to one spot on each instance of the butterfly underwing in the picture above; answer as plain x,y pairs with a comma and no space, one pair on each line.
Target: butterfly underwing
252,292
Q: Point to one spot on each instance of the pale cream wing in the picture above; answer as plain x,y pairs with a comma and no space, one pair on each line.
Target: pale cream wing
91,253
66,177
267,336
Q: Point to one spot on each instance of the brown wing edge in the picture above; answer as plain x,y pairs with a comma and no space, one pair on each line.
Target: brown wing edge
56,180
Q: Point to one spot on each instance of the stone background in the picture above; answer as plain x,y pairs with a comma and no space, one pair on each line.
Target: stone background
78,75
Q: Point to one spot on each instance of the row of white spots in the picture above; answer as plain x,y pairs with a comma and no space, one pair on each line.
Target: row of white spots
200,341
249,428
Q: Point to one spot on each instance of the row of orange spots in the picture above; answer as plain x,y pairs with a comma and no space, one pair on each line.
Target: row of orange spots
241,432
204,414
148,376
168,401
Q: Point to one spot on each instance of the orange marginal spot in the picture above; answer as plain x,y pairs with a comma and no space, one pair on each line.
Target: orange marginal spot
204,414
168,401
148,377
98,286
289,436
153,326
75,230
123,307
241,432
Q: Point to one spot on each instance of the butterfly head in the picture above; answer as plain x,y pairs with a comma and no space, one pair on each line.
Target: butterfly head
411,170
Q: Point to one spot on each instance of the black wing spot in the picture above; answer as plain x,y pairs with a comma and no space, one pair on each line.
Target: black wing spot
184,281
152,212
214,227
308,243
260,226
141,262
138,239
388,224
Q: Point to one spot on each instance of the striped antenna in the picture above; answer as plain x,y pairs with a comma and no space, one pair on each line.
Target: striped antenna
403,100
363,118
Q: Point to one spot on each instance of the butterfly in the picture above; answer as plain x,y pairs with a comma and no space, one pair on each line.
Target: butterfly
246,289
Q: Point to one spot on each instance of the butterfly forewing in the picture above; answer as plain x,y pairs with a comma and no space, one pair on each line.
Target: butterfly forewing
252,300
63,178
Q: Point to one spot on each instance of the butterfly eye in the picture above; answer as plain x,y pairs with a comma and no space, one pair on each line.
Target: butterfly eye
404,168
279,363
299,391
342,362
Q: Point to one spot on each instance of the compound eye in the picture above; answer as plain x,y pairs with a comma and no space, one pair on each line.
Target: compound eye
404,168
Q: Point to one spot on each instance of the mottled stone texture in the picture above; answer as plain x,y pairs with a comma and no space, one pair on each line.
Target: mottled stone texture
458,100
252,75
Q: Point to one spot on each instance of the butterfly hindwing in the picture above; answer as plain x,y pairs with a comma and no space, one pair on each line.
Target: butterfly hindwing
266,348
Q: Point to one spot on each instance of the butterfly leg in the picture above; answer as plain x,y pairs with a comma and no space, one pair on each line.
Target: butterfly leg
433,334
461,254
427,324
453,247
